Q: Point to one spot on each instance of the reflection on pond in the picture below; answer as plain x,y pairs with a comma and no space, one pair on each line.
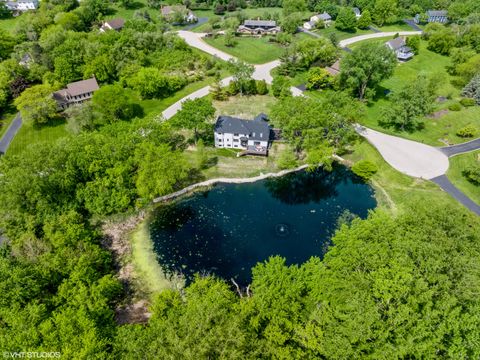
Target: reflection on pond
230,228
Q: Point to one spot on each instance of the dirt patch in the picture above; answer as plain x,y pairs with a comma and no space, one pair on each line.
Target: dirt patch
438,114
136,313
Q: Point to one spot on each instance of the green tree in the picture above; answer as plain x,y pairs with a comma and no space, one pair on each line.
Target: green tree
160,170
442,41
385,11
7,42
346,20
318,78
293,6
365,20
291,23
412,102
413,42
365,67
280,86
36,105
80,118
195,115
113,103
242,74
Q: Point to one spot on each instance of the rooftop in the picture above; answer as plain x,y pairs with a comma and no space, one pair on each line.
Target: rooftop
397,43
257,129
266,23
116,24
82,87
437,12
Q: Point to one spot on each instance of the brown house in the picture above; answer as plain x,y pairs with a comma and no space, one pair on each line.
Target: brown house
112,24
75,93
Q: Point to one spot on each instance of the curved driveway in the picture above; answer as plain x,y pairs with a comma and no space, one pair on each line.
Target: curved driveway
409,157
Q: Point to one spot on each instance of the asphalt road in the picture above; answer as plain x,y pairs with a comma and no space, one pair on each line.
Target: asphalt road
10,134
461,148
448,187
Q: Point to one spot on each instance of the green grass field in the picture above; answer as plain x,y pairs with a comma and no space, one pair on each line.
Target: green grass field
457,165
28,135
245,107
327,32
400,26
250,49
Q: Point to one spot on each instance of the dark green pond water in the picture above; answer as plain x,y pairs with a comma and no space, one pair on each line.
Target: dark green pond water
227,230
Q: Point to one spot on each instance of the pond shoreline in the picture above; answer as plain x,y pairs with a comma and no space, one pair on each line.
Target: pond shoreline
211,182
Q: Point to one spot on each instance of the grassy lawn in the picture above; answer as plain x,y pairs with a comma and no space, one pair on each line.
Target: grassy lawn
393,189
127,14
250,49
341,34
439,129
28,135
457,165
10,23
245,107
400,26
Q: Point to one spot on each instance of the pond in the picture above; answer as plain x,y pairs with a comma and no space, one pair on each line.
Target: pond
231,227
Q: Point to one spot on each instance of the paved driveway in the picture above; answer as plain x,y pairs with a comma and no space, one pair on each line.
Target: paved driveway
346,42
10,134
447,186
409,157
461,148
195,40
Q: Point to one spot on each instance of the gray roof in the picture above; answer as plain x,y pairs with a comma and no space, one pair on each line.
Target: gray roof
325,16
257,129
82,87
437,13
397,43
356,11
260,23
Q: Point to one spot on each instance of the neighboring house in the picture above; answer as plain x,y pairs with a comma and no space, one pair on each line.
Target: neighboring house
75,93
325,17
21,5
26,61
399,46
254,136
438,16
169,11
112,24
357,12
334,69
259,27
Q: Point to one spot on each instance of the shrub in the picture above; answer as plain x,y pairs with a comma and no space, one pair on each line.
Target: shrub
473,174
467,102
365,169
261,87
467,131
455,107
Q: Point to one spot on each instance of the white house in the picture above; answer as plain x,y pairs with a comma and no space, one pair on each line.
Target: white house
399,46
250,135
325,17
357,12
22,5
